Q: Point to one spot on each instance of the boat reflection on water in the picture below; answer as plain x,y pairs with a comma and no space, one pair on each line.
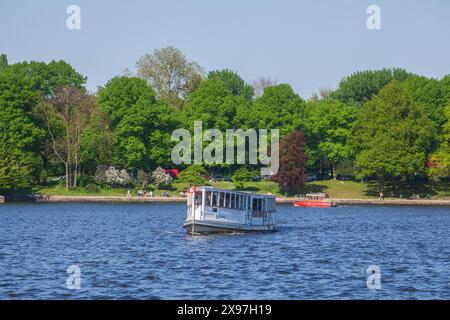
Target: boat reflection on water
212,210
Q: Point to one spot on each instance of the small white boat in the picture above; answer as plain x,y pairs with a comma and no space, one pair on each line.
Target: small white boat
211,210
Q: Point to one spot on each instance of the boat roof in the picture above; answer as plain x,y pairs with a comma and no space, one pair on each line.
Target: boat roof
318,194
210,188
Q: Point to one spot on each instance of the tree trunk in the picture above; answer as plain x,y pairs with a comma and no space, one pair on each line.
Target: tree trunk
67,176
75,176
332,170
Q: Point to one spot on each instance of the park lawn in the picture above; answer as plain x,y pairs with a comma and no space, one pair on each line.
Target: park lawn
61,191
339,189
335,188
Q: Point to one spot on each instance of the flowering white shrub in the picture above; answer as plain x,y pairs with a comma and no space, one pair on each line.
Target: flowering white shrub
160,177
115,177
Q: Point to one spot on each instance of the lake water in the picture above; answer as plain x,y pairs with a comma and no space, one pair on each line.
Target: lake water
127,251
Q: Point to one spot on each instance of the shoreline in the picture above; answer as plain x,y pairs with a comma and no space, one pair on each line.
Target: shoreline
279,200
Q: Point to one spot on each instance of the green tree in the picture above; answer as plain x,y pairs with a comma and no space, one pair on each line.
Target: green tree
361,86
214,104
233,82
68,116
329,128
3,61
241,176
192,175
278,108
440,160
46,78
20,136
142,125
392,136
120,93
433,95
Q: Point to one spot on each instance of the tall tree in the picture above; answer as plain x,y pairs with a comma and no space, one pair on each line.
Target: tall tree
171,75
142,125
392,136
361,86
291,174
433,95
68,115
214,104
20,136
47,77
440,160
233,82
278,108
329,128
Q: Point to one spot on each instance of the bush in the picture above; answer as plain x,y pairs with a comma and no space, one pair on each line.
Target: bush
161,178
85,180
115,177
192,175
240,176
91,188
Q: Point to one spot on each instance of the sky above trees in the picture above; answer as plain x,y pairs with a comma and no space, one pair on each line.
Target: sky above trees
309,44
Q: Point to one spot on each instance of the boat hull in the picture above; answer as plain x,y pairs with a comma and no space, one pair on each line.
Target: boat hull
208,227
314,204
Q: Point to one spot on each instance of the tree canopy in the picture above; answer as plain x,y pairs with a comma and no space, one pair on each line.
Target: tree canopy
393,135
234,82
361,86
169,72
384,125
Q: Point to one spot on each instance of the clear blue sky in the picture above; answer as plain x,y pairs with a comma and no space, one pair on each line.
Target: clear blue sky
308,44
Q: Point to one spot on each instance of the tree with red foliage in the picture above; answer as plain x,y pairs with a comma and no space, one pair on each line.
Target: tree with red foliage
291,174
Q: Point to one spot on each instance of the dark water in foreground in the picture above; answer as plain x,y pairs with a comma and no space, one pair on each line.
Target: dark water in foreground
140,251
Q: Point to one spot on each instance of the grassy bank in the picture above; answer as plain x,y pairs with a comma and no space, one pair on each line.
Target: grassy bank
336,189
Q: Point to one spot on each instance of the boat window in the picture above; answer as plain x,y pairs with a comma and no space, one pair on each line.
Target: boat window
242,203
198,198
255,204
233,201
214,198
208,198
258,205
227,200
222,199
238,202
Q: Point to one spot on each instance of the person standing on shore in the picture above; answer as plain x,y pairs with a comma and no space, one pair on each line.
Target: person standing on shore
381,196
129,193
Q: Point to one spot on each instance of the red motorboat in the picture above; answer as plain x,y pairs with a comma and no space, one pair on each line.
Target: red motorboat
315,200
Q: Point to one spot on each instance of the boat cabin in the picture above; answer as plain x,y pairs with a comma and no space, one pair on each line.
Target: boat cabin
316,196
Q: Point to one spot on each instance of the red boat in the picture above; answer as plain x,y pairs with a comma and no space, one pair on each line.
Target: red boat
315,200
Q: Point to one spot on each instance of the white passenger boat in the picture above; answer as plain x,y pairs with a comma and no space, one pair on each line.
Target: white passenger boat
211,210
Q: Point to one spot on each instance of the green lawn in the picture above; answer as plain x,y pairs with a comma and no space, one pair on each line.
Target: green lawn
336,189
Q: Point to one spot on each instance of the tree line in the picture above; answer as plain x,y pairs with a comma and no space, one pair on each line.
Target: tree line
386,125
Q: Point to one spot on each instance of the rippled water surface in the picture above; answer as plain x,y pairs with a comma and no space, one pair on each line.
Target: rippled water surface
140,251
